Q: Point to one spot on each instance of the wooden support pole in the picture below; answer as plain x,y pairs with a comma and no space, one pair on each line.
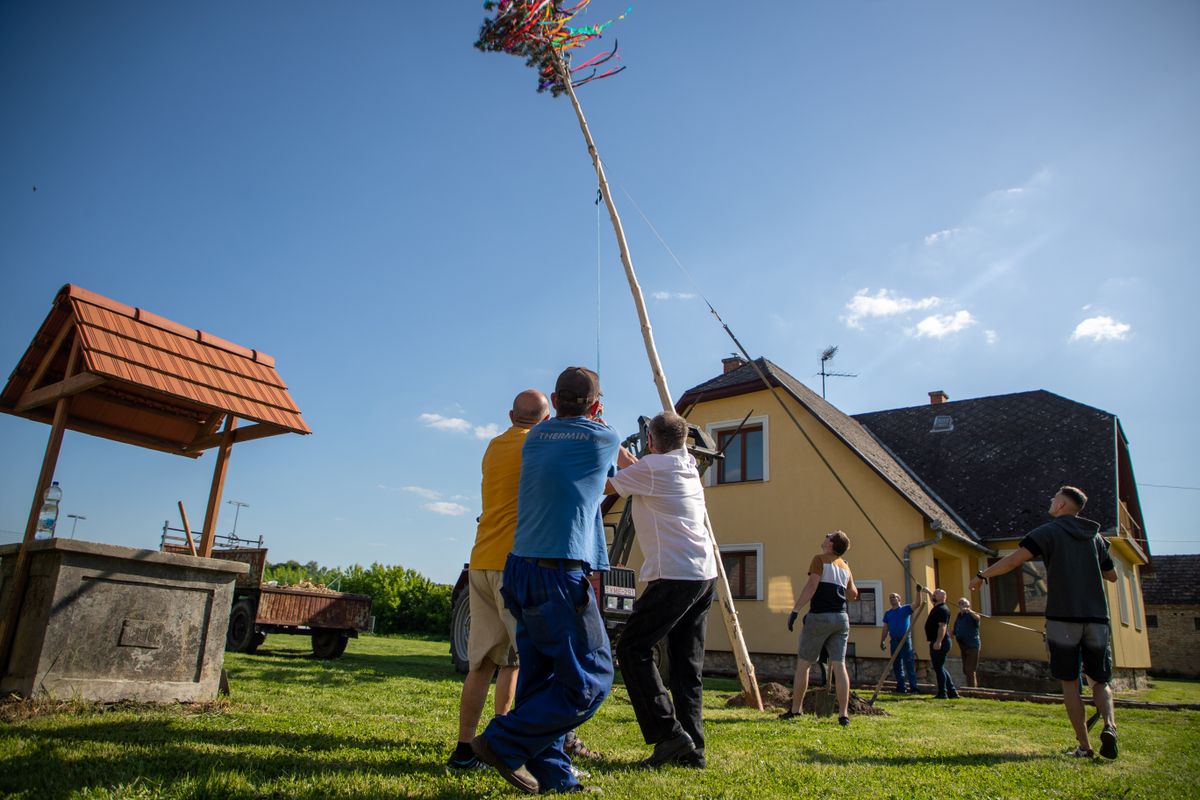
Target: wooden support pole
20,577
728,613
187,529
218,486
888,668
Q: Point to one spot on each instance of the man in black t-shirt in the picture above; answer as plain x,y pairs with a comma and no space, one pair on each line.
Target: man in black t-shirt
1077,564
936,632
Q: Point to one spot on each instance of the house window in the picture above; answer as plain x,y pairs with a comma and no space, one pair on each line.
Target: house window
743,455
864,610
1152,621
1122,601
1022,591
1136,597
1196,621
741,568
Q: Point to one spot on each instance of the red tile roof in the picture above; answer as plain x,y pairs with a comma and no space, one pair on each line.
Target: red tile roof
163,383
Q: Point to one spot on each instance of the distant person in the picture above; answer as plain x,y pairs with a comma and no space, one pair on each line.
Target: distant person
966,635
937,626
679,572
491,643
566,663
896,623
826,625
1077,563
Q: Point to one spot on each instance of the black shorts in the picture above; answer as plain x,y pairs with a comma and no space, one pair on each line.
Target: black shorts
1072,643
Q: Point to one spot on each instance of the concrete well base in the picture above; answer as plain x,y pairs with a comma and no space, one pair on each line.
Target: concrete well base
107,623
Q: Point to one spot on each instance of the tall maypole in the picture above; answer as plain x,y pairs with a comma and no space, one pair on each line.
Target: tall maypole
538,30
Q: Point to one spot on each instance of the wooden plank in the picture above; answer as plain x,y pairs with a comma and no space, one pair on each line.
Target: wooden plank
187,529
247,434
208,428
48,359
218,486
56,391
20,577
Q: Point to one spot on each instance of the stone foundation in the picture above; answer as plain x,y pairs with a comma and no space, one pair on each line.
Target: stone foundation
995,673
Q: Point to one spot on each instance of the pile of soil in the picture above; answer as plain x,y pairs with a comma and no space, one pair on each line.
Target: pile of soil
816,701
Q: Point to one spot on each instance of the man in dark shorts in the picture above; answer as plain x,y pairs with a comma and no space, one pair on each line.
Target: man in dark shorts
1077,563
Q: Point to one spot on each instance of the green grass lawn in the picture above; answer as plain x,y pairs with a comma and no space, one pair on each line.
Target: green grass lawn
379,723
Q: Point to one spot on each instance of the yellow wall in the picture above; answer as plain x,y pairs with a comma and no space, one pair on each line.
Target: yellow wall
790,513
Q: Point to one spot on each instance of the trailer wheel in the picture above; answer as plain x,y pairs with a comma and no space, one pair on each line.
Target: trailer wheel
256,642
240,636
460,629
328,644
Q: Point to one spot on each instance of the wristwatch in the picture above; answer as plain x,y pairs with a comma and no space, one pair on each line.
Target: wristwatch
979,575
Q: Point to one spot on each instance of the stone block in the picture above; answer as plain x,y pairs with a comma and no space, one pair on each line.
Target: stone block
107,623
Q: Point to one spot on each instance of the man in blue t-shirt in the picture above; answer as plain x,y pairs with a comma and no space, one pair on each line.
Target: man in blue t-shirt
566,663
896,622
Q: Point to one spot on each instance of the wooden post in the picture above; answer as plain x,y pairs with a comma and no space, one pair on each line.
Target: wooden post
218,486
883,675
187,529
728,612
20,577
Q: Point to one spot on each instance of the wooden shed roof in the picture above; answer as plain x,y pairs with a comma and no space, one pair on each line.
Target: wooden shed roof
145,380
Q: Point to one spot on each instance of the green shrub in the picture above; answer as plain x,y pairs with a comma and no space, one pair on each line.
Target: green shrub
403,600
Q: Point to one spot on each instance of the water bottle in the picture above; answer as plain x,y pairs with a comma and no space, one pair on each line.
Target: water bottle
48,517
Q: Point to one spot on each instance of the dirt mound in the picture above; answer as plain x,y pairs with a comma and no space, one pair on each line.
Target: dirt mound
816,701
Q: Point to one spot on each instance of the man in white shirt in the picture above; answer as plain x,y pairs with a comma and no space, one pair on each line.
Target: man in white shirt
679,573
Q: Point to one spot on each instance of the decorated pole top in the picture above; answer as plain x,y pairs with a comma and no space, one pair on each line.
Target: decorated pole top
540,31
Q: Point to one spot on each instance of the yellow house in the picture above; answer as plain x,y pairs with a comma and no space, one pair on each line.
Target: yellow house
799,468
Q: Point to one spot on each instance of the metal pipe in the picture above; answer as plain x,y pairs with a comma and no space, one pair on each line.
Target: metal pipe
936,525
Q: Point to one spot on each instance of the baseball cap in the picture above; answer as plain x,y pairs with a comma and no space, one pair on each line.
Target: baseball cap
578,385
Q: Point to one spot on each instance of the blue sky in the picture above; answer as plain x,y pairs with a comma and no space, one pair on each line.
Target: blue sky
977,197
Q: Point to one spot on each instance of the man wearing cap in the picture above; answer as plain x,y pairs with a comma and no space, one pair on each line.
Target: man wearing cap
566,663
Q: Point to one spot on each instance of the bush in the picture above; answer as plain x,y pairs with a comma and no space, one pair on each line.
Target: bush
403,600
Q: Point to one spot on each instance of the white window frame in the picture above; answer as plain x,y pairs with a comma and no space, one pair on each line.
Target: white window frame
878,587
985,591
758,555
713,428
1122,602
1135,597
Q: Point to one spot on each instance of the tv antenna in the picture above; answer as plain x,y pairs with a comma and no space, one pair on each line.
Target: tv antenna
826,356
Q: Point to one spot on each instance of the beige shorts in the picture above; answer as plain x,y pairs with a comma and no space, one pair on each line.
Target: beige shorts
493,633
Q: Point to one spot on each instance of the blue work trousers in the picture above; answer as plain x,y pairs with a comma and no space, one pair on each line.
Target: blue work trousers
566,668
905,663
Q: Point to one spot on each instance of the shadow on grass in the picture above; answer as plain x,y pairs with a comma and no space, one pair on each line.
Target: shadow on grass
158,751
959,760
296,666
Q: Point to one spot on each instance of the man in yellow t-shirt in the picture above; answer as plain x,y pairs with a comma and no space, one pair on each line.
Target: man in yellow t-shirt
492,640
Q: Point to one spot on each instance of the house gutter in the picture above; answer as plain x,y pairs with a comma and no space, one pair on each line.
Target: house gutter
936,525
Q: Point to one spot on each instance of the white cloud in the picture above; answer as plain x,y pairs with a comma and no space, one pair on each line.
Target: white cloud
940,326
487,431
459,425
673,295
428,494
941,236
991,336
438,422
885,303
446,509
1100,329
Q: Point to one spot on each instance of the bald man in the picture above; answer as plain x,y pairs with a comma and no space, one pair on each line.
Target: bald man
492,639
936,631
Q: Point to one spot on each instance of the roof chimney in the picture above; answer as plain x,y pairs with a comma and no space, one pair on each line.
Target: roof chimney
937,397
732,363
